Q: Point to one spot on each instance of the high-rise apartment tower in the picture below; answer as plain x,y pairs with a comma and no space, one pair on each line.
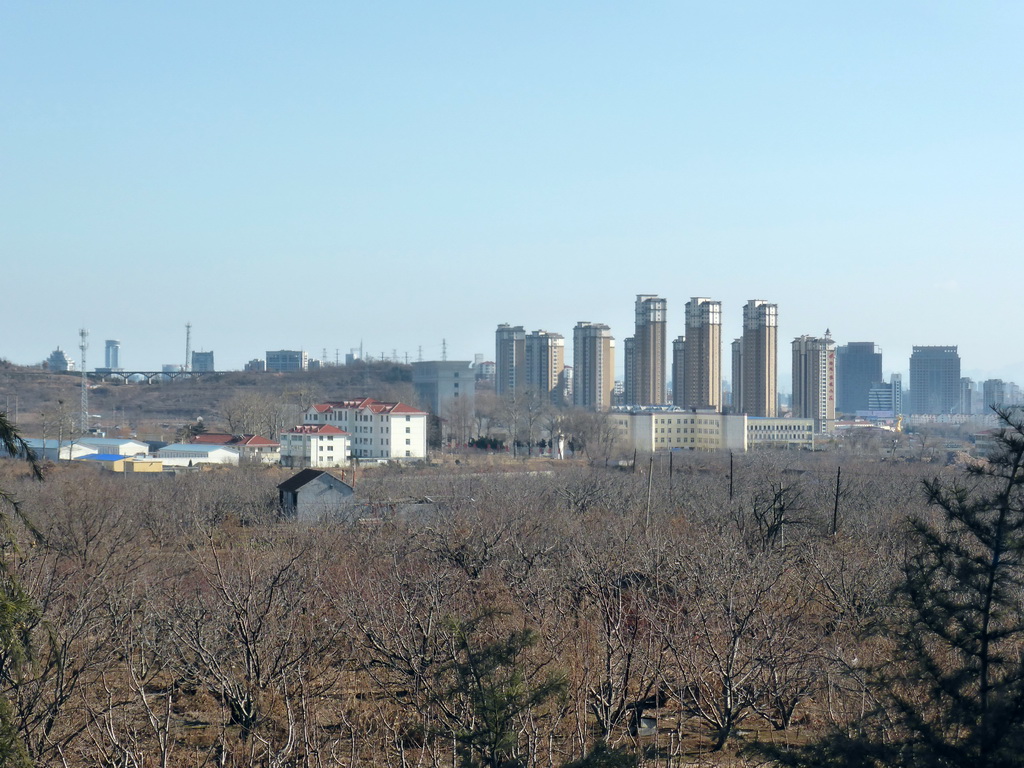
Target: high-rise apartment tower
593,362
755,361
509,358
544,362
649,358
814,380
701,383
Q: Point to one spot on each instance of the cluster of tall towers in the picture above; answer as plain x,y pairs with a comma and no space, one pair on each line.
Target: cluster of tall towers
536,361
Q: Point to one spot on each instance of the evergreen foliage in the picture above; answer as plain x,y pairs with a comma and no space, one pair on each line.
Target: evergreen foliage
490,677
16,610
953,692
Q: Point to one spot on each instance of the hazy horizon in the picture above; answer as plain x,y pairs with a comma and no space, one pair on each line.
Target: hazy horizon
323,175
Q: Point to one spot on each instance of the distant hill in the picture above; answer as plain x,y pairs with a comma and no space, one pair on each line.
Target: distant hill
37,398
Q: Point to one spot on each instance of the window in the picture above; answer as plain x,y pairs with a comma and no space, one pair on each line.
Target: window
408,441
408,430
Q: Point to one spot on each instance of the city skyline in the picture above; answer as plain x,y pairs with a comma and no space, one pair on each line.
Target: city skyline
519,371
860,166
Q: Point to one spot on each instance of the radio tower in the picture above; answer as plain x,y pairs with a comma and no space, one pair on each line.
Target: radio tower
83,419
188,348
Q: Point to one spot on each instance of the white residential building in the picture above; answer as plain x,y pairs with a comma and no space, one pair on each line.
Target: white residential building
376,430
315,445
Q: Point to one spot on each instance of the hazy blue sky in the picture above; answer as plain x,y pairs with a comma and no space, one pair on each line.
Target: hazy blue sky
313,175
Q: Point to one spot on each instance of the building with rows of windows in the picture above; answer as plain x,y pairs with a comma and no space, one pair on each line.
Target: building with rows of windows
375,430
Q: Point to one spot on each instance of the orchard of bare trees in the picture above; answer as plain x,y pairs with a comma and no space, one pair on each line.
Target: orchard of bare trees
774,608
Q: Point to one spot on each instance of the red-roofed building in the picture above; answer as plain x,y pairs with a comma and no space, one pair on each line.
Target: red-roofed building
377,430
315,445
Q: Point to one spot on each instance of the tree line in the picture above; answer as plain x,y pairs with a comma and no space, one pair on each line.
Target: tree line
770,608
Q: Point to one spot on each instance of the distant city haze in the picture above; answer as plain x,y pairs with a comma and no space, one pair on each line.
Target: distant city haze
403,178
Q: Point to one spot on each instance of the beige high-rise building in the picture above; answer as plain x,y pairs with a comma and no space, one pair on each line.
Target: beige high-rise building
509,358
649,364
544,362
678,369
814,380
593,363
701,382
755,361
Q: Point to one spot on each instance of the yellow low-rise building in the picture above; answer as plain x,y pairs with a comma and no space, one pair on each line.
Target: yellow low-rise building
673,429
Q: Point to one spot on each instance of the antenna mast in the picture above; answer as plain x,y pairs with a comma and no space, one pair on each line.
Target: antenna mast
83,419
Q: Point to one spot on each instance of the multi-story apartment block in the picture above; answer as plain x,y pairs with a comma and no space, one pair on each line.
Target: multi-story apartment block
441,383
510,358
935,381
545,360
486,373
700,382
649,363
315,445
814,380
376,430
286,360
994,394
858,370
593,358
755,361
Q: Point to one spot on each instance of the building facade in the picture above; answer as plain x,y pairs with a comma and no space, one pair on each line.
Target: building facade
202,362
112,355
935,381
509,358
651,430
814,380
755,361
287,360
858,370
315,445
629,382
376,430
701,380
441,383
544,363
650,342
994,394
593,362
885,399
